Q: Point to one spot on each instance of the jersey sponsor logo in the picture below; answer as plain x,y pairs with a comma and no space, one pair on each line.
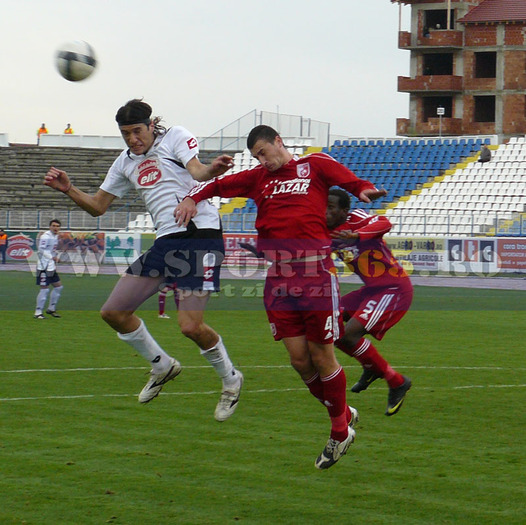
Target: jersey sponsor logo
149,173
303,170
294,187
20,247
192,143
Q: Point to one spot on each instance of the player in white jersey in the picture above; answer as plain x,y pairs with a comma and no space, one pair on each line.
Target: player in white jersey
163,165
47,271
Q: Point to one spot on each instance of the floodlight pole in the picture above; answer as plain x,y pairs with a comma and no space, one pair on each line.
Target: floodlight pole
440,113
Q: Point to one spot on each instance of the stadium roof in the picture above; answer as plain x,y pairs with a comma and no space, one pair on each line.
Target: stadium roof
496,11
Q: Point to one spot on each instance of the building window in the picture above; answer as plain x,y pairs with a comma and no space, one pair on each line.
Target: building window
438,64
486,65
430,105
437,19
485,108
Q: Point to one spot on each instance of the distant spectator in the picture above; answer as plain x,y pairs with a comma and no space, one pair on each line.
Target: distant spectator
68,130
426,32
162,299
3,244
485,155
41,131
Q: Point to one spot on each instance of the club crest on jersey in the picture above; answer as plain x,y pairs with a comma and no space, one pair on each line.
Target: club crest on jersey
303,170
149,173
192,143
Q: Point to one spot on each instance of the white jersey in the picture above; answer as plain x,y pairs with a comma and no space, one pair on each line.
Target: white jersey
47,249
161,179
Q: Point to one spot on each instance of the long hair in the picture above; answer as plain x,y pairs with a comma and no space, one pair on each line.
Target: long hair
136,111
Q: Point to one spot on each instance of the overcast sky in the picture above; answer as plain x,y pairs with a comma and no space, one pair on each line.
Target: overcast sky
204,63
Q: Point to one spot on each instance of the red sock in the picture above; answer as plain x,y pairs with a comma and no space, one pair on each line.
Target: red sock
315,387
370,359
335,400
162,302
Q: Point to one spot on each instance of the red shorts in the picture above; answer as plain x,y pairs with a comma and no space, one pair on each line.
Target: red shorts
304,302
378,309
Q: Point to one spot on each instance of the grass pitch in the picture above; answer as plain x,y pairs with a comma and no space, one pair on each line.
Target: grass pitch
77,448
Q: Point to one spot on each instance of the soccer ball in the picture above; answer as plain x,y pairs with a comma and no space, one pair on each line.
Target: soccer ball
75,60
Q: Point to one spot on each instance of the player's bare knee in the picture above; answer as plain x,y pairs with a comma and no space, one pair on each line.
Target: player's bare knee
349,340
113,317
190,328
301,364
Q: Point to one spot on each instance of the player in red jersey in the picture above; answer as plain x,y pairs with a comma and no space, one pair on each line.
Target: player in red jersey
301,289
378,305
168,287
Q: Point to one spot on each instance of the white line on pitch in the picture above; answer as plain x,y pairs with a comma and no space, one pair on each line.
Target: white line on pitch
215,392
112,369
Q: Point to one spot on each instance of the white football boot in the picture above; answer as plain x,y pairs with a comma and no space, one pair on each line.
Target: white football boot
228,400
156,382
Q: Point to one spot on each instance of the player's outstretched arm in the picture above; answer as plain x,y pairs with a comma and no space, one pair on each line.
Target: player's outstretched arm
202,172
372,194
344,238
185,211
95,205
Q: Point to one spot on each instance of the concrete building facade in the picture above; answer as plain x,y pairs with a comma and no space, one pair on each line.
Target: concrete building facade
467,68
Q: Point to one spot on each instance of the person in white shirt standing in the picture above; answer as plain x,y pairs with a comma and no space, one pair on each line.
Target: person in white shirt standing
47,271
162,165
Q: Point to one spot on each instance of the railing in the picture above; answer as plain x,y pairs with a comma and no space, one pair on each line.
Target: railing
406,224
239,222
233,136
472,224
71,220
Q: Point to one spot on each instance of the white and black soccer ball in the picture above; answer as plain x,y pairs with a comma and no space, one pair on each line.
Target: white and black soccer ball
75,60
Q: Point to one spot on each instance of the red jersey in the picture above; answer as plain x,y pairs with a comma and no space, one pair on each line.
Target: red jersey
370,258
291,202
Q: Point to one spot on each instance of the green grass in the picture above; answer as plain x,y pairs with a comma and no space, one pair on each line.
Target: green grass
77,448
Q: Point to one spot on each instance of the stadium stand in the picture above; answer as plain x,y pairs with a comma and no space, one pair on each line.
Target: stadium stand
25,203
435,186
23,170
401,165
470,199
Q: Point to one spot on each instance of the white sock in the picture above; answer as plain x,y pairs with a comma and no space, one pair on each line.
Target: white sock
218,357
41,300
55,296
148,347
